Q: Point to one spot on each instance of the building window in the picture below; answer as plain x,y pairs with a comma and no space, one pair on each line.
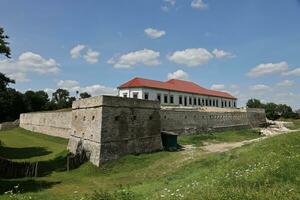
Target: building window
199,101
217,103
180,100
206,102
135,95
190,100
158,97
185,101
234,104
210,102
165,98
225,102
222,104
213,102
146,96
229,103
195,101
203,102
171,99
125,95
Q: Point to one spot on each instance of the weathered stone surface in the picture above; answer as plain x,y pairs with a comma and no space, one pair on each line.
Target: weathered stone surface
50,123
9,125
110,127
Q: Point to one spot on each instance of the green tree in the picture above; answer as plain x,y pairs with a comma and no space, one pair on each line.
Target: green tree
84,95
37,100
4,81
255,103
4,48
272,111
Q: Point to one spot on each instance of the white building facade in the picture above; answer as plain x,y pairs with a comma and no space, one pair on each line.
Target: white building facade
177,98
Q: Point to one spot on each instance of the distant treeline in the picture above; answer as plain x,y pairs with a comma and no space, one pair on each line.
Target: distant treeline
274,111
13,102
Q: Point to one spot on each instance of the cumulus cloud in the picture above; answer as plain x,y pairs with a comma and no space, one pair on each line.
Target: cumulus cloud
76,51
295,72
179,74
28,62
91,56
142,57
198,4
217,87
154,33
268,68
94,90
222,54
70,85
260,88
286,83
88,54
168,5
191,57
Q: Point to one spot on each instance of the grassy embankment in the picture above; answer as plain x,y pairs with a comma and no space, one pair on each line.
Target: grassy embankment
265,170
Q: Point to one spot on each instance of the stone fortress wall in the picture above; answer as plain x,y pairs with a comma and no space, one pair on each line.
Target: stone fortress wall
51,123
109,127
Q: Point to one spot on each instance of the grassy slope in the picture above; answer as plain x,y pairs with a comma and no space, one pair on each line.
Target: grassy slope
265,170
22,145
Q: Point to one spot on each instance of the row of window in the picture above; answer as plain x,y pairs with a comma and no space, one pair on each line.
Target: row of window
184,100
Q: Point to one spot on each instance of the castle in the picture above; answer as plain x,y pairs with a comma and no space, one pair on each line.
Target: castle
109,127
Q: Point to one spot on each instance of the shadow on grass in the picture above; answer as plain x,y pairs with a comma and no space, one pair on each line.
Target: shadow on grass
28,185
23,153
58,164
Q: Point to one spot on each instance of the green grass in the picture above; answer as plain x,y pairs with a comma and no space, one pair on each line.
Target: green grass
22,145
217,137
268,169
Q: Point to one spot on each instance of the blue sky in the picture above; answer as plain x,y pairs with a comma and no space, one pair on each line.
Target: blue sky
249,48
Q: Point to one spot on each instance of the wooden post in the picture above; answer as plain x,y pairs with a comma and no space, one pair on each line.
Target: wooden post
36,169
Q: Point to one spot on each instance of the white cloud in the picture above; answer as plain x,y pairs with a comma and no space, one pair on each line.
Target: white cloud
94,90
26,63
68,84
91,56
295,72
198,4
217,87
191,57
171,2
222,54
179,74
268,68
164,8
260,88
143,57
76,51
154,33
286,83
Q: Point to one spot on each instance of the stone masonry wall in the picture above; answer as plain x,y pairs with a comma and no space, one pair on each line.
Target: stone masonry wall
50,123
110,127
183,121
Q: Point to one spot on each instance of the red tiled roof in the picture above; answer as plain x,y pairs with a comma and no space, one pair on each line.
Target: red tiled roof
174,85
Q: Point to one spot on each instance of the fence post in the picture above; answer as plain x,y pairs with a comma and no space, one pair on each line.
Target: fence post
36,169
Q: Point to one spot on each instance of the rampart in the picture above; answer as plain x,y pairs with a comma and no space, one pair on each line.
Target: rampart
50,123
109,127
192,121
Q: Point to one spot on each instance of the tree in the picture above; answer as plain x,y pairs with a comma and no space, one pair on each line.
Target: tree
4,81
61,95
37,100
4,48
254,103
271,111
84,95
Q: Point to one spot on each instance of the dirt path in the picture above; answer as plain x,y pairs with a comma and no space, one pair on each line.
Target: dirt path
222,147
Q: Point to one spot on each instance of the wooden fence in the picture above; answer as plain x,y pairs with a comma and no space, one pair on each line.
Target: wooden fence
11,169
